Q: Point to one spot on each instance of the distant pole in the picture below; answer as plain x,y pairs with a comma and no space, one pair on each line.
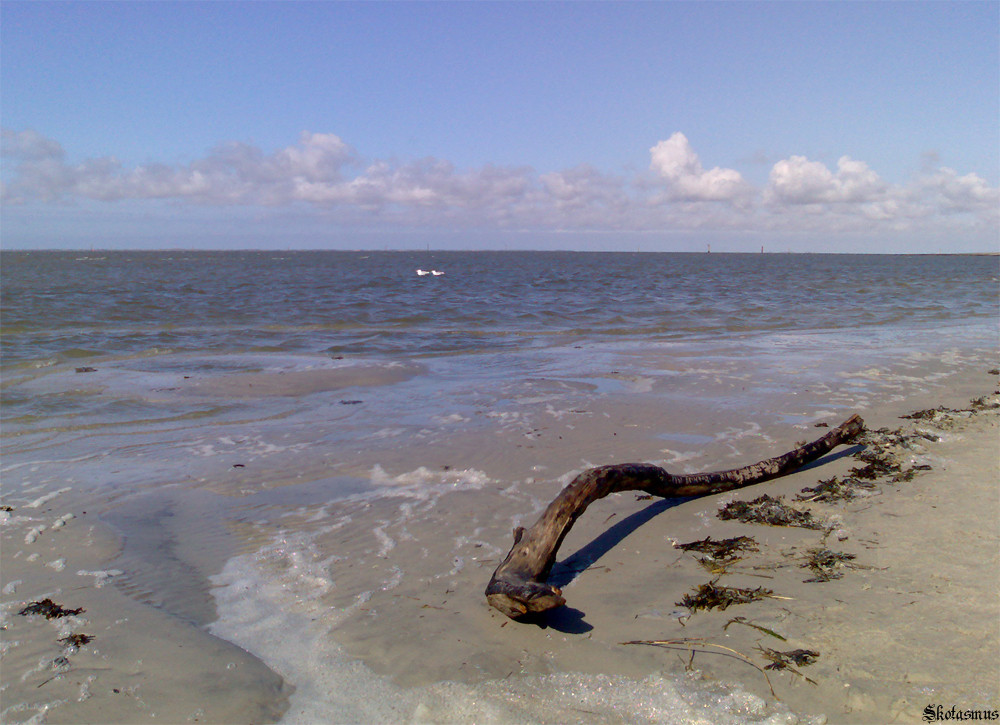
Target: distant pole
761,248
709,248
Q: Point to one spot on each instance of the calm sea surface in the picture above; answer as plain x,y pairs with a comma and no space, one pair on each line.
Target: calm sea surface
72,306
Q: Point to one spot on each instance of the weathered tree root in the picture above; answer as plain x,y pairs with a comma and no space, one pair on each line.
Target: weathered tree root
518,585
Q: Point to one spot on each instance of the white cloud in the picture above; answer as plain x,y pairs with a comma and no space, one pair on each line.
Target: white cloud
232,173
959,193
323,172
582,186
797,180
679,166
28,145
427,183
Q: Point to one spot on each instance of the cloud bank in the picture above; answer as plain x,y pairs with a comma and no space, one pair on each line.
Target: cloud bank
324,173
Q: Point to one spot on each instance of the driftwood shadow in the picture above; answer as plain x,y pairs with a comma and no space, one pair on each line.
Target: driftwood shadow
831,457
565,571
562,619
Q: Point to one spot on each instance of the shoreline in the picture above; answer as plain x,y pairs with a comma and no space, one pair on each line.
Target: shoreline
458,655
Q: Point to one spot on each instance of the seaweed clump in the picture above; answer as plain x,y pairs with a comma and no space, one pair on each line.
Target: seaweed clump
76,640
877,464
880,462
770,511
723,549
711,596
719,554
983,403
836,489
928,414
789,660
825,564
49,609
782,660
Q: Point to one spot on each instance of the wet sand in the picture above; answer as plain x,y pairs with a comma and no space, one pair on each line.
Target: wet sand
141,665
912,622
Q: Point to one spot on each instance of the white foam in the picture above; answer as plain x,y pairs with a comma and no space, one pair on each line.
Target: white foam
47,497
273,609
269,604
642,384
101,577
425,481
38,718
505,416
7,520
386,542
453,418
244,445
62,521
678,457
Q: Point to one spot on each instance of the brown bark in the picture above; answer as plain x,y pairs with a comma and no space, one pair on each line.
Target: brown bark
518,585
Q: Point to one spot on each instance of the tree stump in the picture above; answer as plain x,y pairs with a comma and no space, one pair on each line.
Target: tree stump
518,586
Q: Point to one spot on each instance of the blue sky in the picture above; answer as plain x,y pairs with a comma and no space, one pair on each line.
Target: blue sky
807,126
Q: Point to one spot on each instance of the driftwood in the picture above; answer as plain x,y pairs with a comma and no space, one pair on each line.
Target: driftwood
518,586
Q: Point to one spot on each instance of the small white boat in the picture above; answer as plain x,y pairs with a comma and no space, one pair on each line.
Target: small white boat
425,272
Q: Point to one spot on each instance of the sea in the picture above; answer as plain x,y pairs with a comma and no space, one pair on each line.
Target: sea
230,413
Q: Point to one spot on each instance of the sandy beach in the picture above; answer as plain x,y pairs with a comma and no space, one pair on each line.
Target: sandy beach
310,311
906,618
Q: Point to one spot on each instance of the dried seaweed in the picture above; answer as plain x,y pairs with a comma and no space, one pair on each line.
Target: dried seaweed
710,596
877,464
768,510
983,403
77,640
785,660
883,438
835,489
928,414
718,555
909,473
49,609
723,549
825,564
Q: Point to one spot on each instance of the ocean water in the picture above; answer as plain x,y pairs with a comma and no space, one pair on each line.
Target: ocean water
234,411
68,306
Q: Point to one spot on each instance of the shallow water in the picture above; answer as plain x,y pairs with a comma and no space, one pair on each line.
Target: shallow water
300,424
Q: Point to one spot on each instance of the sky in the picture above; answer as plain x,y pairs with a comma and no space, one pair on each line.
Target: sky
661,126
